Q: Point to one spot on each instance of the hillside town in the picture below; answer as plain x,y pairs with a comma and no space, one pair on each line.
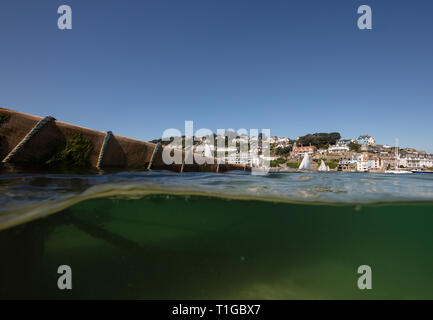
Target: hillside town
362,154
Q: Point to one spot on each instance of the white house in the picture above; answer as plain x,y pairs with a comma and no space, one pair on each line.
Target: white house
366,140
415,160
338,148
365,162
346,141
362,162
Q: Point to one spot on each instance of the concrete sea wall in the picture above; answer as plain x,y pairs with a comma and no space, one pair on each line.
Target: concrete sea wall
28,139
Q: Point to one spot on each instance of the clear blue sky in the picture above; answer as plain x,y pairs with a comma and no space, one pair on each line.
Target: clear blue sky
296,67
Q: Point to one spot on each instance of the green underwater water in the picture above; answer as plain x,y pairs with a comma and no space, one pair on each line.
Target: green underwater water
201,247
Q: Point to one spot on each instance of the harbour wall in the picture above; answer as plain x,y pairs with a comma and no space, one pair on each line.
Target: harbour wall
29,139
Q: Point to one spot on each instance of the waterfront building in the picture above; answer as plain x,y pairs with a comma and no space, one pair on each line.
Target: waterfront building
362,162
347,164
301,150
416,160
245,158
367,162
374,163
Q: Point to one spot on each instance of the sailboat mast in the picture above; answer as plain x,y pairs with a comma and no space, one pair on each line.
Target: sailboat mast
396,153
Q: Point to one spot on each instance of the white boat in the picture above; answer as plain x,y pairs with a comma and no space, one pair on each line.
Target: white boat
421,171
397,170
305,164
327,168
323,167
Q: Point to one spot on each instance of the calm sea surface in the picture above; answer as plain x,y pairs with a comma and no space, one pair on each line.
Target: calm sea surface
164,235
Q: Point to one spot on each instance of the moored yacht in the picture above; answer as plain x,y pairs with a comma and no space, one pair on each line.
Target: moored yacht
323,167
397,170
305,164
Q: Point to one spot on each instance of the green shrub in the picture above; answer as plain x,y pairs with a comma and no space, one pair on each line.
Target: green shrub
277,162
332,163
76,152
293,165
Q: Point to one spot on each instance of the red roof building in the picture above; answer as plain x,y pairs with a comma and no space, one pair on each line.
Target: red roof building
296,150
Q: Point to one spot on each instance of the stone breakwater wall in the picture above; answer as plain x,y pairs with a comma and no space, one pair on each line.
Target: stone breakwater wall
28,139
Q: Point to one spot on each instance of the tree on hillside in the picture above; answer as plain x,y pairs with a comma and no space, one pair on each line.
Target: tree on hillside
282,151
320,140
353,146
